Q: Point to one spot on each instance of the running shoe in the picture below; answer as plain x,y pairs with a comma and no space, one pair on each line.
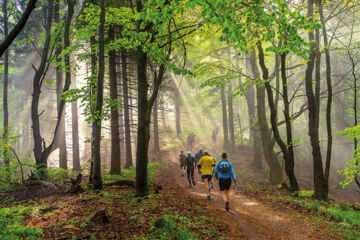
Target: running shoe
227,206
208,196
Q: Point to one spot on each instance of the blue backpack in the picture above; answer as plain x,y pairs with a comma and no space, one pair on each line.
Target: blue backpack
225,167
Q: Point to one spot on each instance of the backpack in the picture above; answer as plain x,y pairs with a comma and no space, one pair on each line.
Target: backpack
225,167
190,162
200,155
182,158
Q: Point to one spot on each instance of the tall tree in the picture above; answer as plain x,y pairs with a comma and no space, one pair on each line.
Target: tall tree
115,166
127,127
97,179
320,184
224,116
6,76
231,117
61,138
156,129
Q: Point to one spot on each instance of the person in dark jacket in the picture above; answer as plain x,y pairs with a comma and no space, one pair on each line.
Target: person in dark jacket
226,171
190,165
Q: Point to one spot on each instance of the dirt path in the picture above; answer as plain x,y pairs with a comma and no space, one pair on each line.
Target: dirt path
248,218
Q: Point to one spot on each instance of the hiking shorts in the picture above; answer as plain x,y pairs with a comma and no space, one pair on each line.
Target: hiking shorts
224,184
182,166
208,177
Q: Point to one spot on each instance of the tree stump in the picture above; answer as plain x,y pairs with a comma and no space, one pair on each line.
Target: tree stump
99,216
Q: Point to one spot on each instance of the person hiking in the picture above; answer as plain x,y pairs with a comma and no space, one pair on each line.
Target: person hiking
190,165
191,141
226,170
206,168
214,136
199,155
182,161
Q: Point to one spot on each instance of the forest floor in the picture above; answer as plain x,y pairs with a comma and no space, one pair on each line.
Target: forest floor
259,210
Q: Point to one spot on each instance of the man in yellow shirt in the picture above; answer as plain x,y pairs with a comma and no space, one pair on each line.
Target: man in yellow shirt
206,169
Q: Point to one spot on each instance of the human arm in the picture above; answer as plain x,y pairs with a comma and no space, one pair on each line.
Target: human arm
232,173
217,171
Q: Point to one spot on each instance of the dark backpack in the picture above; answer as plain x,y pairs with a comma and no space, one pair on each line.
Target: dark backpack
190,162
182,158
225,167
200,155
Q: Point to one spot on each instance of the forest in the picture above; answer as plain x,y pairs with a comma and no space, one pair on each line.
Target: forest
102,101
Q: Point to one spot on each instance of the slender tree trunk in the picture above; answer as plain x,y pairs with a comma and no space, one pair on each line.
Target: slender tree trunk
5,44
125,82
275,173
320,185
287,149
93,59
61,139
75,130
231,117
224,117
143,135
115,167
97,180
156,129
40,156
330,93
177,112
255,135
6,79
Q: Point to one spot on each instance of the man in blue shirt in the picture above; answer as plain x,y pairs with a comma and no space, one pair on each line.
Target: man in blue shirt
226,170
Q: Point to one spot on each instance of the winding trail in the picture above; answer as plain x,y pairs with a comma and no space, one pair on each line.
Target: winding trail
247,218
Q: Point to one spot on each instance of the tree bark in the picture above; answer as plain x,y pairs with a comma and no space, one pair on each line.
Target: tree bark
177,112
224,117
6,79
93,60
61,138
231,117
330,93
320,185
39,154
97,180
75,131
115,166
18,27
275,172
125,82
156,129
287,149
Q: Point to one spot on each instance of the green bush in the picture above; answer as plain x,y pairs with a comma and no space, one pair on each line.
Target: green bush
10,224
164,228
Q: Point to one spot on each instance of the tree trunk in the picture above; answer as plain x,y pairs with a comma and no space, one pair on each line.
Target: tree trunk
115,166
275,173
255,135
320,185
128,161
75,130
224,117
287,149
143,135
18,27
156,129
231,117
61,139
330,93
177,112
40,157
97,180
6,79
93,59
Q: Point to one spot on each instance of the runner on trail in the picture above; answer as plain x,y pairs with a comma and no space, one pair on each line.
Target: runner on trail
191,141
190,166
206,169
182,161
214,136
199,155
226,170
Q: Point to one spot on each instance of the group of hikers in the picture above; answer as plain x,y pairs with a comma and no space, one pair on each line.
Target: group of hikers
223,172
